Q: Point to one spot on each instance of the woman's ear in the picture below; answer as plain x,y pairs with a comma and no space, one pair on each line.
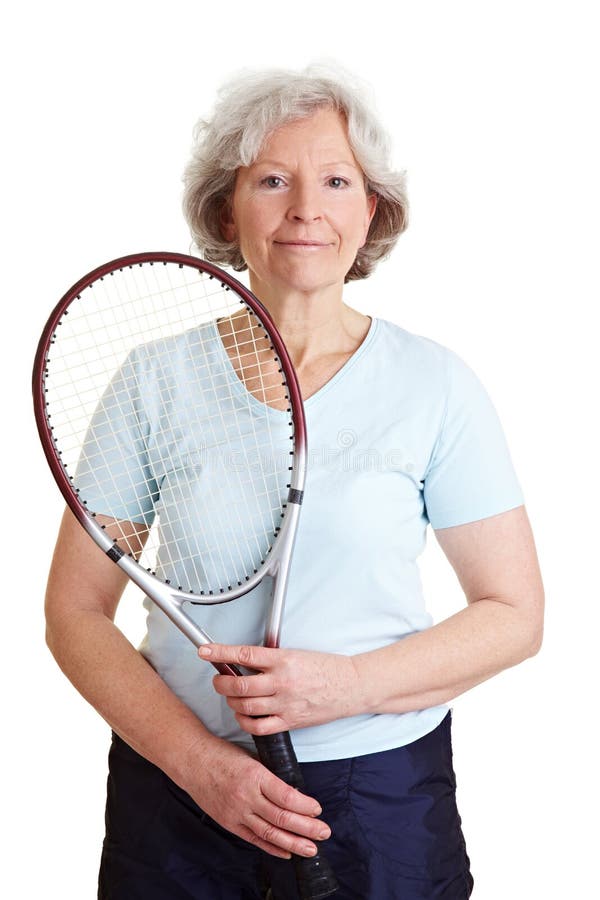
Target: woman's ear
226,222
370,212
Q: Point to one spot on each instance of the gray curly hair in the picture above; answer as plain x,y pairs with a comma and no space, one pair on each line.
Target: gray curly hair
252,105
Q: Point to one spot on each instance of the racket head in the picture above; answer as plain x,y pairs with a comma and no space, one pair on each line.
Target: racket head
170,348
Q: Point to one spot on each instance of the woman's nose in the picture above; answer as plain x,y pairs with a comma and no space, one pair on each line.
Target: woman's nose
305,203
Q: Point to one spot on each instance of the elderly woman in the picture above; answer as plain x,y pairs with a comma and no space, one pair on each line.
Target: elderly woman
290,180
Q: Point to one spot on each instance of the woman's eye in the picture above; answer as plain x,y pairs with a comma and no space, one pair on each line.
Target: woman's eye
337,182
272,181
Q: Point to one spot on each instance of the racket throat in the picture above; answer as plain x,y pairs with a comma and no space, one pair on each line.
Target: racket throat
279,574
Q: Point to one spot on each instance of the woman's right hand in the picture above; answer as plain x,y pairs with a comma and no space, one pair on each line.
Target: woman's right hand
243,796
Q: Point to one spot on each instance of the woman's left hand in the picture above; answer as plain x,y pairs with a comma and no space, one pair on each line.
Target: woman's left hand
293,688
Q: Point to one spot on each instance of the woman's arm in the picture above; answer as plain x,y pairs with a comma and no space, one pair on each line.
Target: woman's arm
226,782
496,563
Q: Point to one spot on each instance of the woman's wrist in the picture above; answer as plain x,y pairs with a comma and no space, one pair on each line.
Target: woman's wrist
186,765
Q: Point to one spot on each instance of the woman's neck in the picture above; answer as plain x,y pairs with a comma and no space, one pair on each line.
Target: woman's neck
313,324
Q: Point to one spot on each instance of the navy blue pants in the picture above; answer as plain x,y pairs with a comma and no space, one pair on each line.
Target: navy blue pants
396,832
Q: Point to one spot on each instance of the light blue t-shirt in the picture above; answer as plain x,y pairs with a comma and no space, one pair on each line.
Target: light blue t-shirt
403,435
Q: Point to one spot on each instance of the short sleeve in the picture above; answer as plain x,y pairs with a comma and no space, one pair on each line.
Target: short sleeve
113,474
470,475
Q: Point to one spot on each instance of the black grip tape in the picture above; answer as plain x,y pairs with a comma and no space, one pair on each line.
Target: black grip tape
314,876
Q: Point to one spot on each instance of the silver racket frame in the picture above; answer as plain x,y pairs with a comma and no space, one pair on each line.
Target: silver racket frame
167,598
172,601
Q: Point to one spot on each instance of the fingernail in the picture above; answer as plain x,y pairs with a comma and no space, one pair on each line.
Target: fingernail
317,811
205,651
324,835
309,849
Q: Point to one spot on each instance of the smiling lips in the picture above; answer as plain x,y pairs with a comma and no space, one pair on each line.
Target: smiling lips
303,244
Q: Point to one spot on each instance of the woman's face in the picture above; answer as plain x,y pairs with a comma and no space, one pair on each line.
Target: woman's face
300,212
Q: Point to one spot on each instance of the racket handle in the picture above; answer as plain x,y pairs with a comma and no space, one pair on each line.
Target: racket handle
314,876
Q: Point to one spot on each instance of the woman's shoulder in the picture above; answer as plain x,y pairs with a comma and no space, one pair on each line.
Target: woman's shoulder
427,363
409,348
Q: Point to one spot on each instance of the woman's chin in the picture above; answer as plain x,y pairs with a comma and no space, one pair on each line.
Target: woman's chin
297,279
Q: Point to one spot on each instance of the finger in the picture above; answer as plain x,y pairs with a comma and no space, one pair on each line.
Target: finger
262,725
285,840
259,706
244,685
287,797
248,835
253,706
245,655
306,826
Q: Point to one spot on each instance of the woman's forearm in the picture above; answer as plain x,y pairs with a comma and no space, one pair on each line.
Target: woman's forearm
436,665
227,782
116,679
300,688
494,559
230,785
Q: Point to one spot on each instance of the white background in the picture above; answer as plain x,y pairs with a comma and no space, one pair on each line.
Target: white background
493,112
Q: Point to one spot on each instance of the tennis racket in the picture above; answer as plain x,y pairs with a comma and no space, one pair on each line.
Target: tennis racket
172,420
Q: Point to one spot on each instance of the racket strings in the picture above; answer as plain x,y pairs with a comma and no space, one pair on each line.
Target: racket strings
259,542
168,403
230,553
173,558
